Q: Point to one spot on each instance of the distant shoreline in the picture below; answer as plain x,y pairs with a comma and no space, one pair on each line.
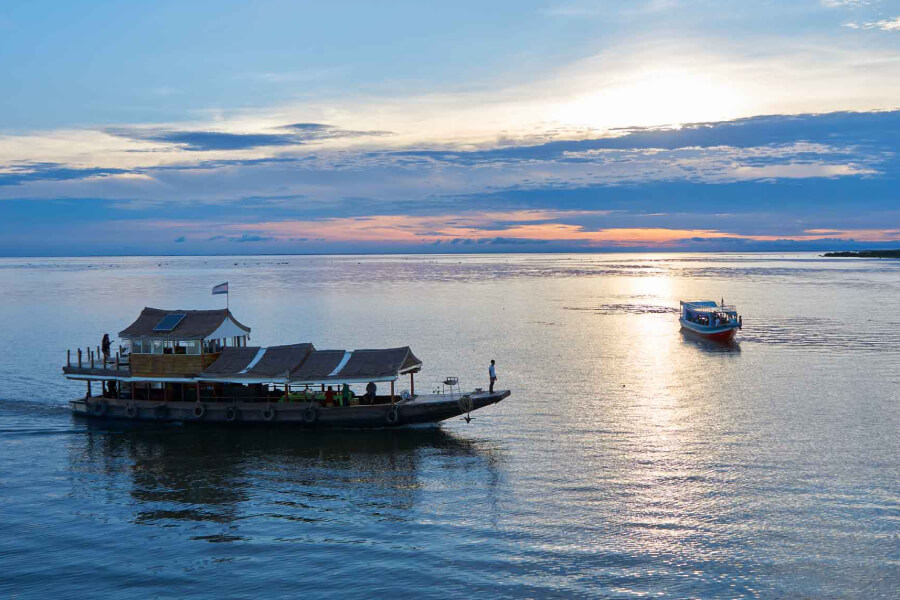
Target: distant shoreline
864,254
891,253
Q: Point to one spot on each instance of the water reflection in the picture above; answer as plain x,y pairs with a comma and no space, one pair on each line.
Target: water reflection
710,346
222,476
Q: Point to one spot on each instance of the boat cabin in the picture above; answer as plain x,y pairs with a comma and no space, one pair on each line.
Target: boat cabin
708,313
202,355
180,342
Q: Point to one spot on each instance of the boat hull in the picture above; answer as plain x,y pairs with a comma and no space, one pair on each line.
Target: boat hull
716,334
299,415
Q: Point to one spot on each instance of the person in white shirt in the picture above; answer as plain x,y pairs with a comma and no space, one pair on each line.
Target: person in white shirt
492,372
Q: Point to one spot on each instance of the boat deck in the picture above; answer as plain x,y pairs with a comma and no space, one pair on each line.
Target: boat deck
424,408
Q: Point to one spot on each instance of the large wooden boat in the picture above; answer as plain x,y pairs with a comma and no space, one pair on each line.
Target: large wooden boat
711,320
196,366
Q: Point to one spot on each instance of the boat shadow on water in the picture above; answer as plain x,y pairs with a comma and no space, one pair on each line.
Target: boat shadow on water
175,473
712,347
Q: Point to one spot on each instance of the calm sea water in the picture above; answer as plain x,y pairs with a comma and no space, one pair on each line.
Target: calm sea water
630,461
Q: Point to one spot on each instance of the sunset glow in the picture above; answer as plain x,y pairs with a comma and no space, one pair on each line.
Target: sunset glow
578,126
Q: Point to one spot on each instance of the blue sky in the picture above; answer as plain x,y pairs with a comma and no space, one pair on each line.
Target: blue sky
226,127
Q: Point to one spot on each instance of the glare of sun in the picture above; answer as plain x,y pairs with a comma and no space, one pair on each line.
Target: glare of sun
654,97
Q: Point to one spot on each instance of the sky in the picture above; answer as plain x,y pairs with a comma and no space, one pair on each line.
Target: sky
219,127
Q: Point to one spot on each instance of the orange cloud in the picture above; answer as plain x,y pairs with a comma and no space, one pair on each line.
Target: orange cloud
536,225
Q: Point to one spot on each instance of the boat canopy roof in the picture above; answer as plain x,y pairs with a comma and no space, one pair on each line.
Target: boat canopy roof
707,306
302,363
699,303
181,324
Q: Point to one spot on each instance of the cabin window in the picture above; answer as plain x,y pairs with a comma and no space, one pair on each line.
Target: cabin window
136,347
156,346
192,347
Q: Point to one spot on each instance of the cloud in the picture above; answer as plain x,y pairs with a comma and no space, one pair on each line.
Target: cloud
249,237
244,237
544,229
883,25
763,178
24,172
197,141
839,3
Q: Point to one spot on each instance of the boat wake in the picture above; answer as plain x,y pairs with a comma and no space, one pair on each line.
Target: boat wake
627,309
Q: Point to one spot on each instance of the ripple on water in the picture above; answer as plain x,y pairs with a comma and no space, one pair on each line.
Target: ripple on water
821,333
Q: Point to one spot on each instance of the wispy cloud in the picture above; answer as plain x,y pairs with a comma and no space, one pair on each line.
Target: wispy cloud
883,25
838,3
289,135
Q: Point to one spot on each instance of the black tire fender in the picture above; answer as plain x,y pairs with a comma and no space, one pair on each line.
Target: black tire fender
131,410
98,408
310,414
232,414
269,413
161,411
393,416
199,410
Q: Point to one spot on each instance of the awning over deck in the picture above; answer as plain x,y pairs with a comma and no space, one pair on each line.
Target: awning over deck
303,364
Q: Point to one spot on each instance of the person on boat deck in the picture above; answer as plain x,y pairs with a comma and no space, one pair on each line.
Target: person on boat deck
105,346
329,396
371,390
345,395
492,373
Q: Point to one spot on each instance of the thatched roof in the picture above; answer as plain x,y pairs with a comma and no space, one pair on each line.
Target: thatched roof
195,325
302,363
232,360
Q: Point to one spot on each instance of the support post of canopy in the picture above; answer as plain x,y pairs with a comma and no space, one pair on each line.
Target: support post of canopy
68,358
88,394
197,390
392,392
79,357
412,384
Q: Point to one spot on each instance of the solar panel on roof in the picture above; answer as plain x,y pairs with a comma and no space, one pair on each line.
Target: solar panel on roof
169,322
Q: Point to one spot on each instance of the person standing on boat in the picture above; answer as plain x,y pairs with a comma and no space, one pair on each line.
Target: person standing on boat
105,346
492,373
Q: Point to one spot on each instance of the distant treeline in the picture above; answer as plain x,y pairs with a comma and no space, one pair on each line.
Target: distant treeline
865,254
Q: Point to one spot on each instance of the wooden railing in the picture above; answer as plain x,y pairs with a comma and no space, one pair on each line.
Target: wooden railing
89,358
